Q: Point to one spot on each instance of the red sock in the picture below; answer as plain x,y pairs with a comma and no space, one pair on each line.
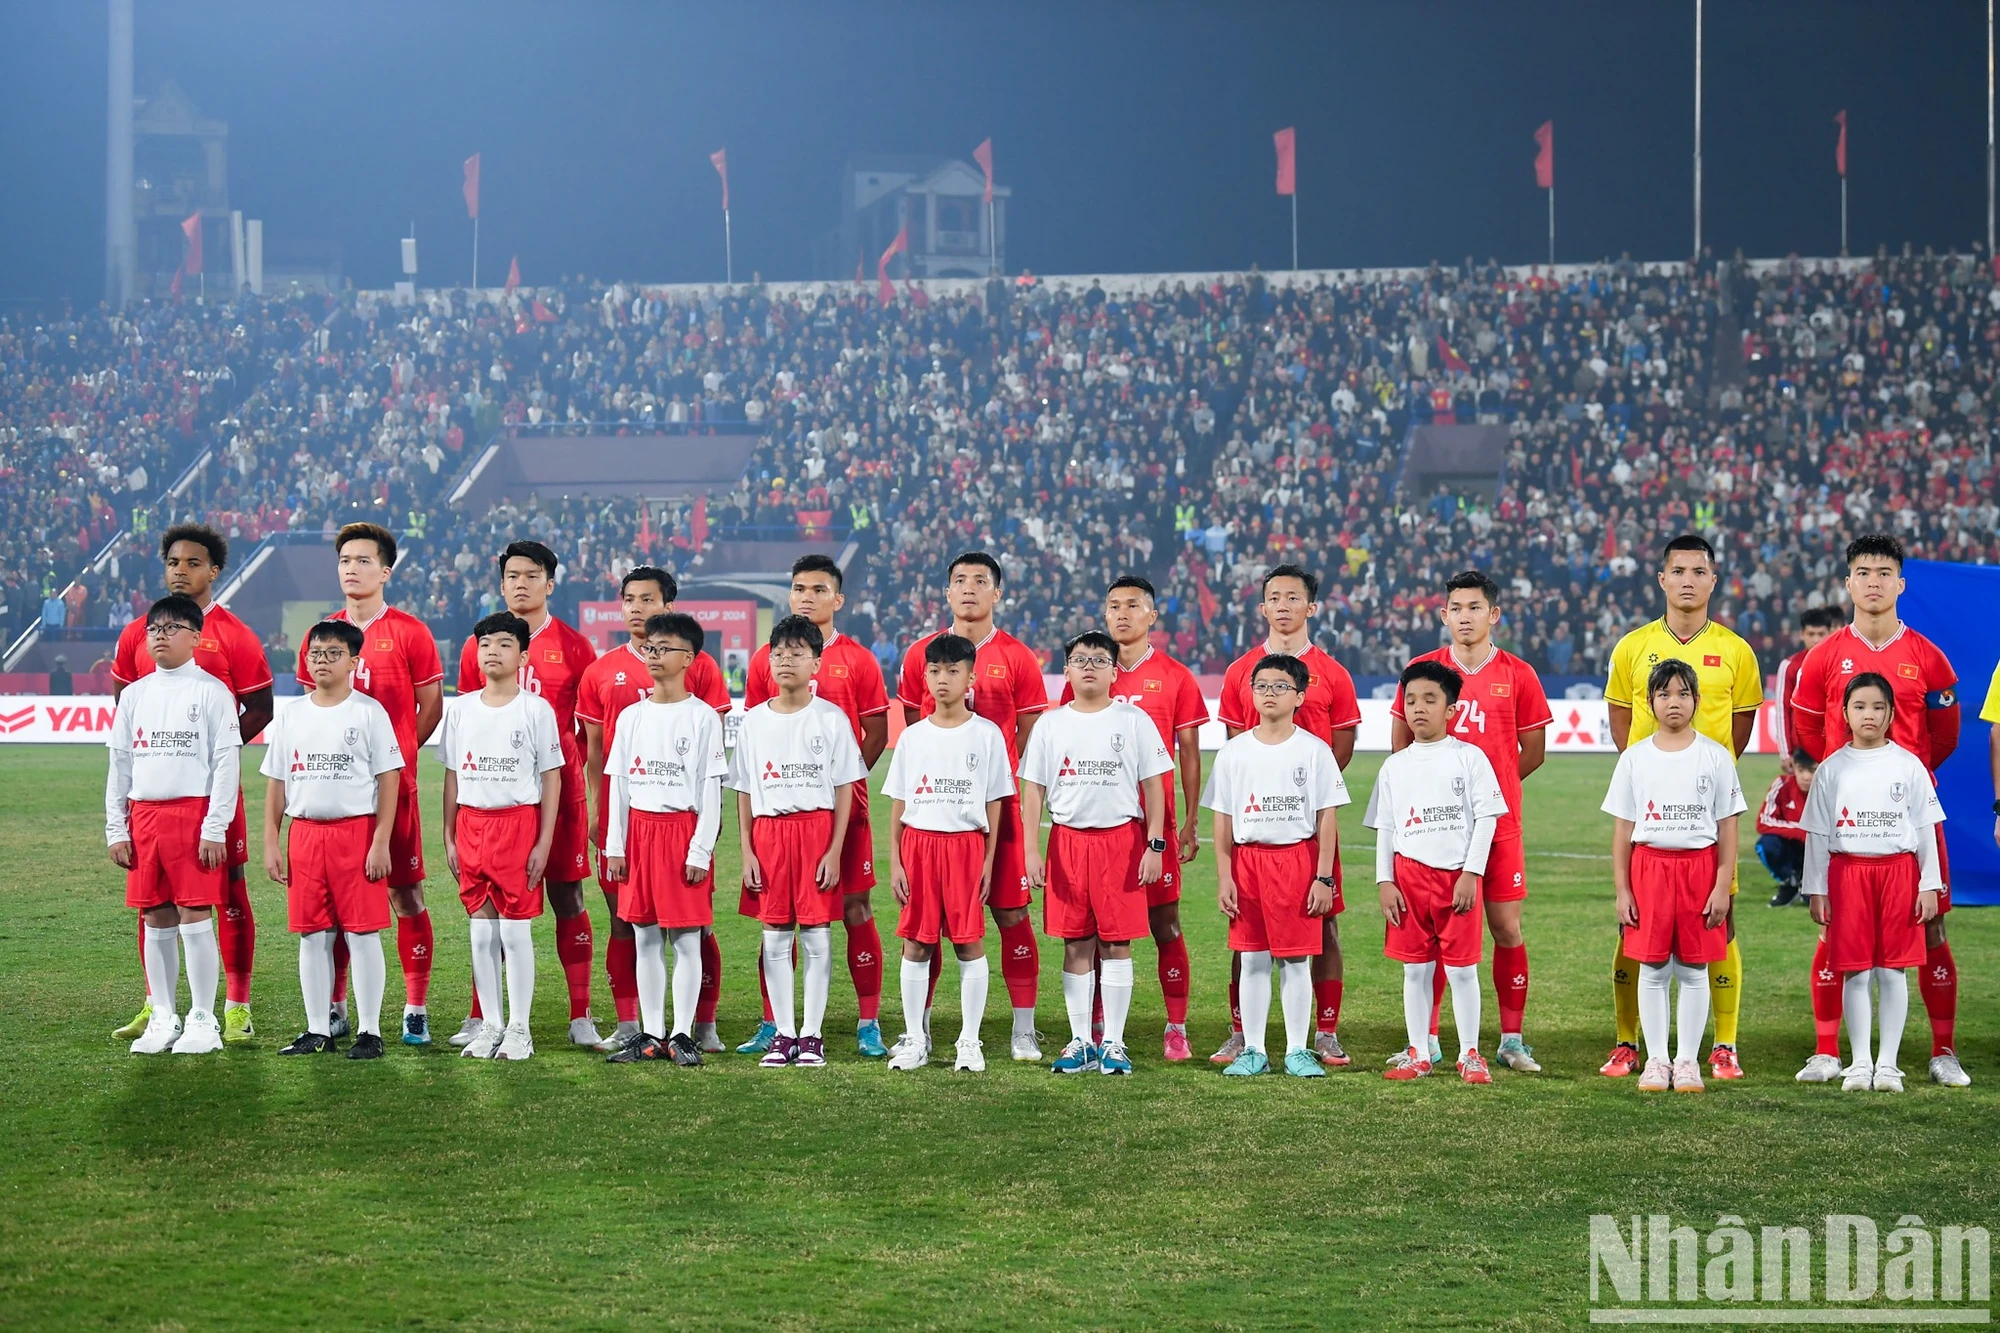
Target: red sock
1326,998
763,988
573,950
937,970
340,972
621,964
1510,984
1020,963
236,936
1235,1009
414,945
1096,993
142,957
711,979
1437,995
1938,983
864,964
1174,979
1825,989
475,1004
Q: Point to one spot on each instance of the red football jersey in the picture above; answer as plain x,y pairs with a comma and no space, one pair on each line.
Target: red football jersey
552,667
1006,685
1497,701
398,656
1329,705
1783,804
849,678
1784,716
227,650
1163,689
616,681
1914,666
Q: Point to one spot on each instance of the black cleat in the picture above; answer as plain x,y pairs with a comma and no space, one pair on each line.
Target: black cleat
638,1050
309,1043
1787,893
367,1046
686,1054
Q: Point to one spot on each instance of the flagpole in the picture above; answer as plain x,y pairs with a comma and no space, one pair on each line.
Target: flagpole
1697,131
1295,229
728,253
1843,216
1552,225
475,252
1989,130
993,236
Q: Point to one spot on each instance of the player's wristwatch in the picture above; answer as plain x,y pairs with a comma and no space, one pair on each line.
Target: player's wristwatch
1327,880
1996,807
1156,844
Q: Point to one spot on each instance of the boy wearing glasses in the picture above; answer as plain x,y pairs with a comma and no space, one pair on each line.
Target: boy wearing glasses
168,799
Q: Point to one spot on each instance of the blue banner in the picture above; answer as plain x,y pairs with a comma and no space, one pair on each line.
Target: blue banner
1952,606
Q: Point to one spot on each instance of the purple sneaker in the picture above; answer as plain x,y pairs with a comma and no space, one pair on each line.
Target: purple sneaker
781,1053
810,1052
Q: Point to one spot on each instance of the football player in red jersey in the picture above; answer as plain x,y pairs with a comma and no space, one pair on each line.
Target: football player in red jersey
1166,691
1329,711
399,669
1926,724
1007,691
194,556
850,678
1503,711
553,668
1815,623
610,685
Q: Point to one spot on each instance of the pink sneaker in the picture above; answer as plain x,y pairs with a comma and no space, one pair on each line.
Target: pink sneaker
1659,1076
1175,1046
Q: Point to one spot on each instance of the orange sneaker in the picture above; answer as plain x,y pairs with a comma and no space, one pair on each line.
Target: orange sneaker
1472,1068
1407,1066
1624,1059
1722,1063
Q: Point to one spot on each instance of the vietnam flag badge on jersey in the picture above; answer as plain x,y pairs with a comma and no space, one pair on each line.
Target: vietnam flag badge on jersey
1712,660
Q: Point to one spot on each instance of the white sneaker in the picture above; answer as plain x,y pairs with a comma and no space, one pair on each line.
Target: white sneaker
484,1041
621,1034
1887,1078
518,1045
706,1037
1028,1046
467,1031
1946,1069
200,1035
1820,1069
162,1029
1687,1076
971,1056
1858,1078
1658,1075
909,1053
583,1032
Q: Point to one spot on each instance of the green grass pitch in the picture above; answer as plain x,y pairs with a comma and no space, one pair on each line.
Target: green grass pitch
425,1191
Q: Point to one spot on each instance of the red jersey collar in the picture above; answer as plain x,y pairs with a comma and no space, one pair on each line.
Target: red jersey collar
1882,647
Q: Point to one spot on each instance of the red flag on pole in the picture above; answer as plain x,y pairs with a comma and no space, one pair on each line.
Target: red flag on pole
1288,180
472,187
513,273
176,288
1205,599
646,529
698,522
543,315
896,247
191,228
719,159
983,155
1545,155
1840,146
859,275
1452,360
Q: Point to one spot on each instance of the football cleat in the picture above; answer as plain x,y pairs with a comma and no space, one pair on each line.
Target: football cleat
1113,1058
1026,1046
1408,1066
1658,1076
1079,1057
131,1030
1228,1052
161,1031
868,1039
1472,1068
367,1046
1436,1051
484,1042
780,1053
971,1056
809,1053
309,1043
1302,1063
1248,1065
468,1031
639,1050
911,1053
1623,1060
1174,1045
1787,894
583,1032
200,1035
416,1028
237,1029
1517,1055
685,1053
336,1024
1326,1045
760,1040
1887,1078
1722,1063
1687,1076
620,1035
706,1038
517,1044
1857,1077
1820,1069
1946,1069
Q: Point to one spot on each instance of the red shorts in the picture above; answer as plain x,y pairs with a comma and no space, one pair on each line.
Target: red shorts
943,872
569,852
1010,860
655,891
1670,889
1167,888
406,837
1093,883
1271,887
165,865
238,839
1872,906
857,854
1430,929
330,888
493,847
789,849
1506,878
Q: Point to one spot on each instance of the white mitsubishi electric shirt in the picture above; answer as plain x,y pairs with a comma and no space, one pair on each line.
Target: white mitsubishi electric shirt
499,754
1674,799
789,762
329,758
944,776
665,757
174,735
1090,765
1427,799
1872,802
1273,794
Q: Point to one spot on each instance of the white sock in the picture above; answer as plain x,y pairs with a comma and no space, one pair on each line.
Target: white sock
316,979
1464,984
1078,990
973,976
1691,1012
1117,984
486,967
1253,998
1417,1007
1894,1002
1655,1007
816,943
778,980
1024,1022
1858,1007
916,986
204,964
370,976
650,970
687,978
163,967
1295,998
517,954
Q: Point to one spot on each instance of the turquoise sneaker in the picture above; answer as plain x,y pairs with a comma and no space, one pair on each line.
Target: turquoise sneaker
760,1040
1113,1058
1302,1063
1248,1064
1079,1057
868,1038
1437,1051
416,1028
1517,1056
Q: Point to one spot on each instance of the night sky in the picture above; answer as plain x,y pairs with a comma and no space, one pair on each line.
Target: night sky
1136,136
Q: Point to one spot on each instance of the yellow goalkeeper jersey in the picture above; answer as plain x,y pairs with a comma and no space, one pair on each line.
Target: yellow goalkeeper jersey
1723,663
